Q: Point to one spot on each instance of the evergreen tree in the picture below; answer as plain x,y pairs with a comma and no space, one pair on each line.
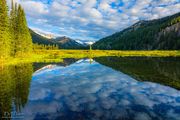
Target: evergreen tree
4,30
23,43
13,26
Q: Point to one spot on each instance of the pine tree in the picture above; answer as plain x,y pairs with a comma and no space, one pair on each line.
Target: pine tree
4,30
13,26
28,40
24,41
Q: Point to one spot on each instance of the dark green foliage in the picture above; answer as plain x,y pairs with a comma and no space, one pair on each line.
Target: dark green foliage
145,35
4,31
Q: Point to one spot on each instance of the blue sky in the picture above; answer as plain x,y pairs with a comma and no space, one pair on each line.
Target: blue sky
92,19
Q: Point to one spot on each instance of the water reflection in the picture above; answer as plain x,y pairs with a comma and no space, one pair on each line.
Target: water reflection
161,70
77,90
14,88
66,62
95,92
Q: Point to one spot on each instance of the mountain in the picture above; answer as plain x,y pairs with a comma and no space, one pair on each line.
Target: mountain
86,43
49,36
37,38
161,34
62,42
68,43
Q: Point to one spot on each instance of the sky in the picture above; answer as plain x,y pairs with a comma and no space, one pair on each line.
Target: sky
92,19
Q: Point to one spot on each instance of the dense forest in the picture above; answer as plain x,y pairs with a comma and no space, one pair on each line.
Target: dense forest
161,34
15,38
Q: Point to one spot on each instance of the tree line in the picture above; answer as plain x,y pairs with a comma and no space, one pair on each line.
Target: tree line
37,46
15,38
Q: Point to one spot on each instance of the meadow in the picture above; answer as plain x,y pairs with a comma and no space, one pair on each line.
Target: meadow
59,55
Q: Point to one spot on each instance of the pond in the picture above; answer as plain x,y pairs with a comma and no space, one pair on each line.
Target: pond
105,88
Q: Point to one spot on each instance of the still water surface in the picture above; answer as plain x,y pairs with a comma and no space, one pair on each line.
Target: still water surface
108,88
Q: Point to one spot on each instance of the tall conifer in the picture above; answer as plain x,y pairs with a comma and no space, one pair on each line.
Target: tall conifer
4,30
13,26
28,40
14,33
24,40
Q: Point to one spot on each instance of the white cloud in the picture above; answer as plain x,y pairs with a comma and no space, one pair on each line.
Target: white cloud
99,18
35,9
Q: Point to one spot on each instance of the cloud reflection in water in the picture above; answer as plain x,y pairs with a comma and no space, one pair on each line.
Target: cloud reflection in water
93,91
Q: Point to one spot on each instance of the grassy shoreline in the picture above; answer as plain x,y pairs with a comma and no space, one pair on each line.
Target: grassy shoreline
58,55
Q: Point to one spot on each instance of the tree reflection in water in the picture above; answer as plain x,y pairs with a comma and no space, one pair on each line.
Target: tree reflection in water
165,71
14,87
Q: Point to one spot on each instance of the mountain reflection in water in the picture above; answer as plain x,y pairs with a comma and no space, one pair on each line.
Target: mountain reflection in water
161,70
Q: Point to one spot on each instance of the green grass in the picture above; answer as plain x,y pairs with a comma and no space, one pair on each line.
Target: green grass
58,55
99,53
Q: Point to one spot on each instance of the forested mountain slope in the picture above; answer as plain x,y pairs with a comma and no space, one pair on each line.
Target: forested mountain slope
62,42
161,34
40,39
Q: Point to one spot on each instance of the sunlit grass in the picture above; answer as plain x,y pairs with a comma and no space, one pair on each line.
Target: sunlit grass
98,53
58,55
